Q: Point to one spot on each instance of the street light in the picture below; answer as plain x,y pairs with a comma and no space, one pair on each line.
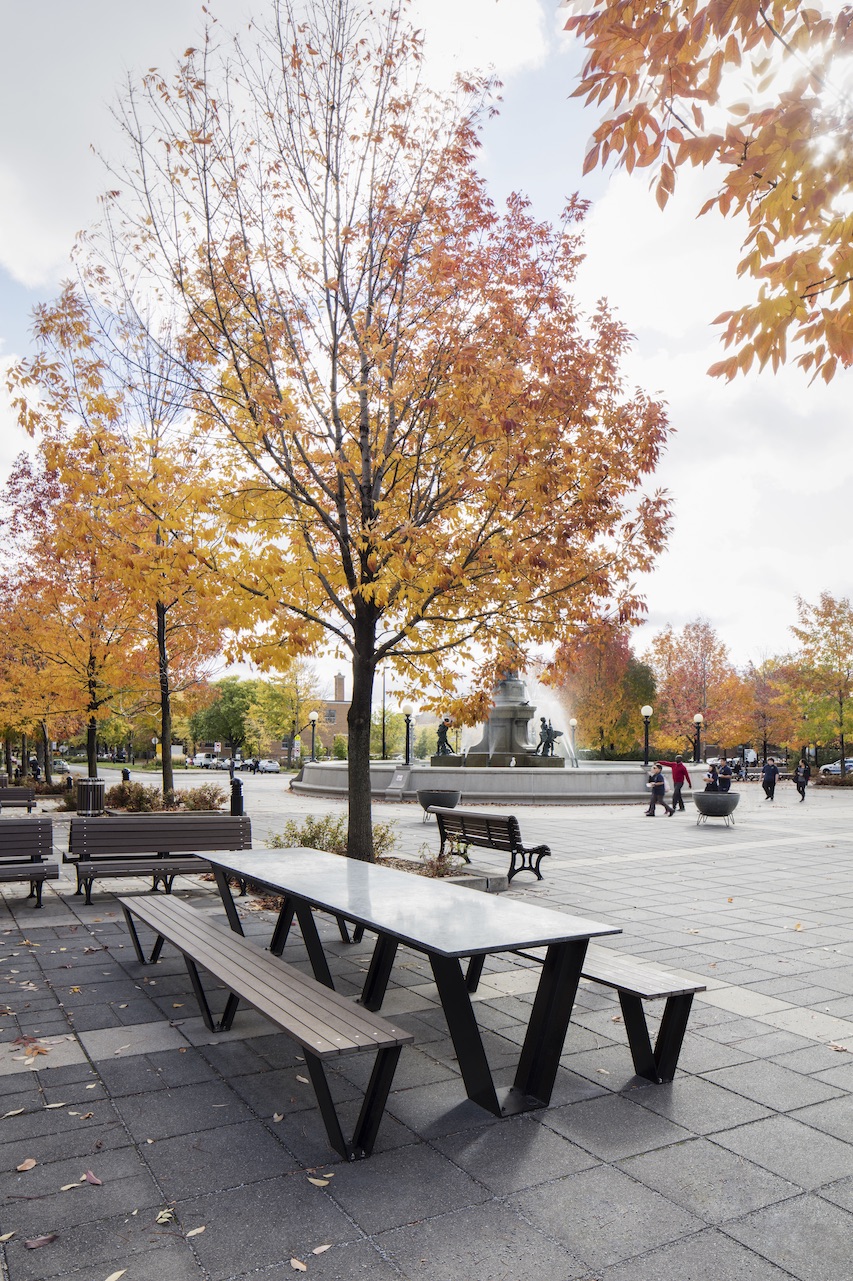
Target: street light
646,713
573,724
313,718
408,712
697,746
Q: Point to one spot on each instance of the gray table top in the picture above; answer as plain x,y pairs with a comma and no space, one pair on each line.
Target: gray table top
449,920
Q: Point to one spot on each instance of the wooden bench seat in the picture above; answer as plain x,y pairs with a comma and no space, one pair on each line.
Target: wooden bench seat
25,845
150,845
324,1023
463,828
18,798
636,982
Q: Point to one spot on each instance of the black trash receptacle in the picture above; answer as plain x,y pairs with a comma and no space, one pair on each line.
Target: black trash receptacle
125,776
90,797
237,797
4,780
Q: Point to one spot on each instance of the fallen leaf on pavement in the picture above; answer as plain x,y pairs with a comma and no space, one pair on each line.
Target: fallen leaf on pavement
194,1232
114,1276
35,1243
93,1178
321,1249
7,1236
48,1106
304,1080
298,1265
319,1183
14,1112
842,1049
29,1164
166,1216
66,1187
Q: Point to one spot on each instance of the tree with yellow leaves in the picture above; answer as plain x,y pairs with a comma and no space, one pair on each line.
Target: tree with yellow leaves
429,453
759,94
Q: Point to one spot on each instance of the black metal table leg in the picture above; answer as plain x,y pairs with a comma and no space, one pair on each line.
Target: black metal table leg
313,946
475,970
549,1022
381,963
464,1033
221,878
673,1025
282,927
637,1031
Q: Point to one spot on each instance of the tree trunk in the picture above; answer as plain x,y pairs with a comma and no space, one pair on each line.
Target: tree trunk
165,702
8,746
360,828
92,747
25,757
48,773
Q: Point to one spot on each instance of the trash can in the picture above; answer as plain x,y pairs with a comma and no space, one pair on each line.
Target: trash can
237,797
90,797
125,776
4,780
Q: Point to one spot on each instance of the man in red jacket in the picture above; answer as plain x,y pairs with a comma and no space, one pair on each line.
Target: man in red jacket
680,776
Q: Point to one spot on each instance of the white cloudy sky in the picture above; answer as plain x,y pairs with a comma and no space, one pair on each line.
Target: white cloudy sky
760,470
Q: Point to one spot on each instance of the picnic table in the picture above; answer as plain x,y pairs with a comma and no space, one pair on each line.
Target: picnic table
447,923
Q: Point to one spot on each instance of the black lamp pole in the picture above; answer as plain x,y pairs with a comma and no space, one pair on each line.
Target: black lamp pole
646,713
697,748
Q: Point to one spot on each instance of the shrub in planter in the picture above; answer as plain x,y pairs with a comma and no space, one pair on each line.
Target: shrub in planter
134,797
330,833
834,780
206,797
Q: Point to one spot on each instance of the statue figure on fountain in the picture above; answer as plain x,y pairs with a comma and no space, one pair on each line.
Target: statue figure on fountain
443,747
547,737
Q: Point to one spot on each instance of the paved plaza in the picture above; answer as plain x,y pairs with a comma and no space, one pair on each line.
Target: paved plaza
207,1158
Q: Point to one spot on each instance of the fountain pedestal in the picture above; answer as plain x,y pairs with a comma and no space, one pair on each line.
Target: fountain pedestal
506,734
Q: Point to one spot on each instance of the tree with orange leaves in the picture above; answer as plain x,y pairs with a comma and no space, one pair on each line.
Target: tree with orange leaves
427,452
759,93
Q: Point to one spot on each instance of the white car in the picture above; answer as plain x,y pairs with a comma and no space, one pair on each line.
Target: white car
226,764
835,767
269,767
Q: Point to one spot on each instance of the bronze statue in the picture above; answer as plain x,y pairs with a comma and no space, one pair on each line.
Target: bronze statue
547,737
443,747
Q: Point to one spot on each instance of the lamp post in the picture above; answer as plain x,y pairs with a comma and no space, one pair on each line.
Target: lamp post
646,713
408,712
573,724
384,752
313,718
697,745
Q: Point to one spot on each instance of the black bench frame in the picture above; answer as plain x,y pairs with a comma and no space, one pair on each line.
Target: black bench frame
302,1007
462,828
144,845
18,798
25,843
635,983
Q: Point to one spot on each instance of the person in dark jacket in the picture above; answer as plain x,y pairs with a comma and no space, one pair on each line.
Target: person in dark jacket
769,775
725,776
712,779
657,783
680,776
802,774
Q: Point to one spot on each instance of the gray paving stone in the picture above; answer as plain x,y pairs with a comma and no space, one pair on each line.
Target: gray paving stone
790,1149
707,1180
214,1160
602,1216
701,1106
613,1126
398,1187
339,1263
488,1242
105,1244
186,1110
520,1153
263,1224
807,1236
705,1256
774,1086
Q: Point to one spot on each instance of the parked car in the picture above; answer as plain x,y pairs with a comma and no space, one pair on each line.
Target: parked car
223,764
835,767
269,767
60,767
204,760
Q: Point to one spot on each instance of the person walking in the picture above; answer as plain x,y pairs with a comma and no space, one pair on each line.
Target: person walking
802,774
680,776
657,783
769,775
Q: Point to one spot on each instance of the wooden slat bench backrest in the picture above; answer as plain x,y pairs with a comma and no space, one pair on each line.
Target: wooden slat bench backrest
492,831
25,838
129,834
9,794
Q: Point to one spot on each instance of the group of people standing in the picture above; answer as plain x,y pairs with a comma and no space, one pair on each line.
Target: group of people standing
717,779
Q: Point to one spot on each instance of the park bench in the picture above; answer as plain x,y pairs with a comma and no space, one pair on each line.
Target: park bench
161,846
636,982
324,1023
25,843
462,828
18,798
